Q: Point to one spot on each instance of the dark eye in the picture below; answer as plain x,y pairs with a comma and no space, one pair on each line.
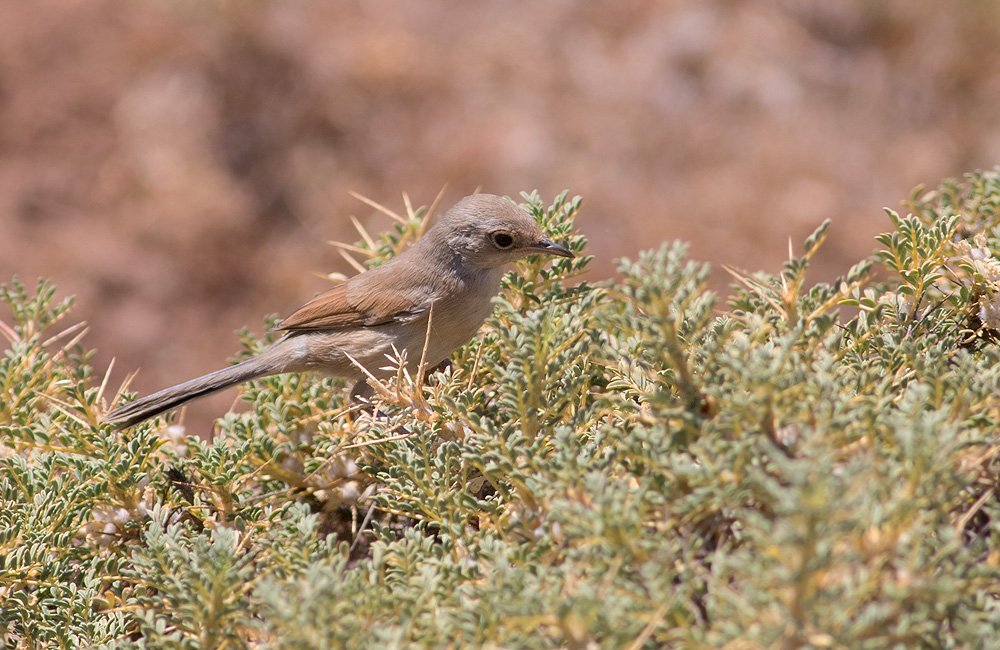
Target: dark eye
502,240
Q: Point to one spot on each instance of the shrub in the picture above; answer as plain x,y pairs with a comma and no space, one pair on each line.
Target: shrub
624,464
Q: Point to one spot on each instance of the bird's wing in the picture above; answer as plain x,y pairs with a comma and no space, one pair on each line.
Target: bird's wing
339,309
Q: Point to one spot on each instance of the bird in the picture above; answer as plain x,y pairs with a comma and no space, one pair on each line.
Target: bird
426,302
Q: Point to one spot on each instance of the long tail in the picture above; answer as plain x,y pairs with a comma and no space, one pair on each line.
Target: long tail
142,409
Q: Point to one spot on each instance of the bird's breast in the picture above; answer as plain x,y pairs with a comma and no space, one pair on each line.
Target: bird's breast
456,317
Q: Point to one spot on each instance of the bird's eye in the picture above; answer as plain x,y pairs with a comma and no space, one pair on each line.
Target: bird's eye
502,240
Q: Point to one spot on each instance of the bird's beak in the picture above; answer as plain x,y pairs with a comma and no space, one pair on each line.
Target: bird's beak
548,247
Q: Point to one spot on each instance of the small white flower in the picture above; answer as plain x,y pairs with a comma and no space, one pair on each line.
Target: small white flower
350,492
174,437
989,311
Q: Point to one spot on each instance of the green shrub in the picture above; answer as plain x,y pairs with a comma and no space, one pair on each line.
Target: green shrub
629,464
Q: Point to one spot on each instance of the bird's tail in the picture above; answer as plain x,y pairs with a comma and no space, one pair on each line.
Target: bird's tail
142,409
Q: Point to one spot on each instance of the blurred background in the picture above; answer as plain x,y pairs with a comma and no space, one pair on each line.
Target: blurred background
178,165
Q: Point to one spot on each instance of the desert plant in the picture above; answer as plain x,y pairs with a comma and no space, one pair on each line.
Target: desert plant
629,463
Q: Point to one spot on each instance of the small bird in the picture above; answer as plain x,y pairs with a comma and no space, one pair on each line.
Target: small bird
449,278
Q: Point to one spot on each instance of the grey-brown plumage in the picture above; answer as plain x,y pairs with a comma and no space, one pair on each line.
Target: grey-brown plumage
454,270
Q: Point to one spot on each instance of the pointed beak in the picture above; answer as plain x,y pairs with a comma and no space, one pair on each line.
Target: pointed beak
548,247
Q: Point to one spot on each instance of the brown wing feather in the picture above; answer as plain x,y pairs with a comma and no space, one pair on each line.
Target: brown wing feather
335,310
328,310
